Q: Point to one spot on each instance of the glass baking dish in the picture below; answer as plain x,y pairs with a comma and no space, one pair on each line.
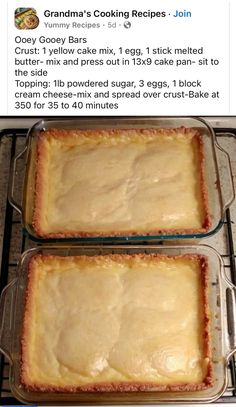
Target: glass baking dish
217,170
221,298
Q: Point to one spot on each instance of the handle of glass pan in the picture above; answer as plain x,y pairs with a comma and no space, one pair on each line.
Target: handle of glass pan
11,188
6,314
225,177
230,297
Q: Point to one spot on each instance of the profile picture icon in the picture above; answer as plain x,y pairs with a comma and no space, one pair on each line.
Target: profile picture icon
26,18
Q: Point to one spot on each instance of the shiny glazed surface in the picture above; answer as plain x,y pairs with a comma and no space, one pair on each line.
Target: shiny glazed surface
129,182
114,319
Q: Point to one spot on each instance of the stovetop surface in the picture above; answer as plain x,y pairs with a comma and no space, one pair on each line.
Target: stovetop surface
13,242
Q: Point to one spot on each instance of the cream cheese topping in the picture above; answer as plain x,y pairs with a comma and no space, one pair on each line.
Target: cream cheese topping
109,319
122,184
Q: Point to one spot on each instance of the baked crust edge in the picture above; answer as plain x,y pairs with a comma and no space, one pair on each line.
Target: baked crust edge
40,177
115,386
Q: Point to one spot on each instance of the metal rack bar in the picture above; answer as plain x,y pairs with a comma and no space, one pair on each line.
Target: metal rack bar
6,252
232,362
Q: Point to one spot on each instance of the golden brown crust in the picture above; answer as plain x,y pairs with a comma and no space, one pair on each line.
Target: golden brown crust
39,185
116,386
119,387
27,318
207,220
62,134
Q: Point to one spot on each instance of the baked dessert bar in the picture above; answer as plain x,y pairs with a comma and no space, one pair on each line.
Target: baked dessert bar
119,183
116,323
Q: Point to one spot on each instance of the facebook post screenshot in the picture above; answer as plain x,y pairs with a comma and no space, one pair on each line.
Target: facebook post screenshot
117,198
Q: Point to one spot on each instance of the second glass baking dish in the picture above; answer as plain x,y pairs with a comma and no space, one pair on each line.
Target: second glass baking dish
217,171
220,297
